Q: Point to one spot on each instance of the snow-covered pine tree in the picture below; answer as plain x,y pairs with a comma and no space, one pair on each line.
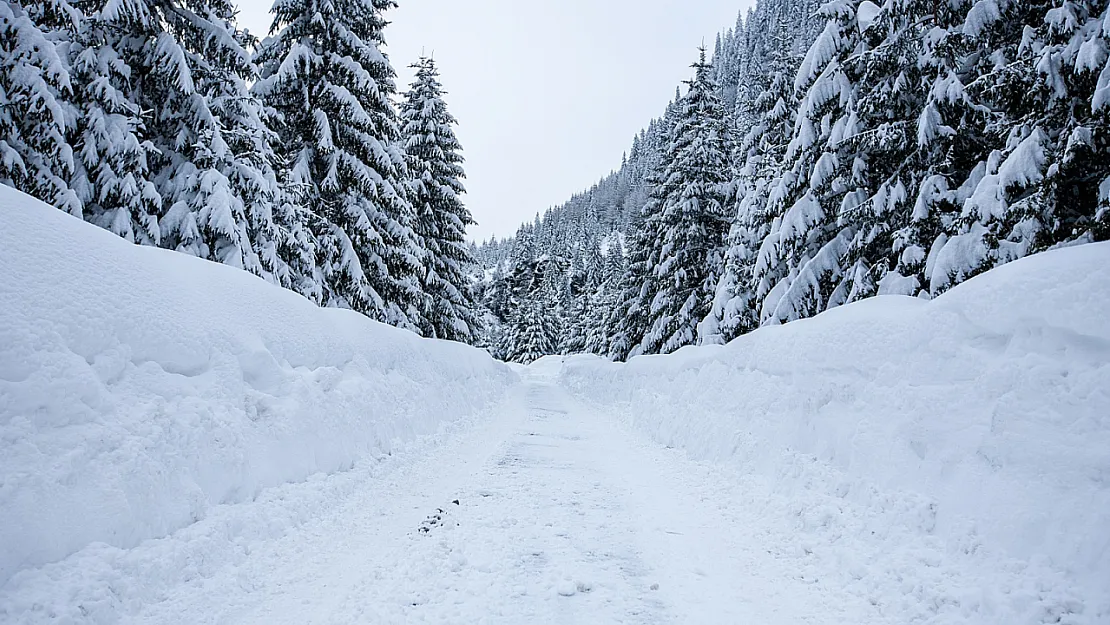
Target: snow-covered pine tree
533,333
800,269
188,65
749,58
880,152
587,279
435,165
934,156
494,295
743,53
603,302
631,317
1009,154
866,134
760,155
492,336
1040,70
692,216
112,176
556,292
295,245
533,327
35,154
326,79
574,313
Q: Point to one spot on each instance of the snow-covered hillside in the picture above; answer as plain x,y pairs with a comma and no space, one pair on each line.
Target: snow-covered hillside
140,387
900,435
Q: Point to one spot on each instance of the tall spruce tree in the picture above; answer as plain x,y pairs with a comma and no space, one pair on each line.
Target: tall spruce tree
759,155
35,153
112,175
603,302
330,87
631,318
800,267
1039,70
693,220
435,164
188,65
939,157
533,327
533,334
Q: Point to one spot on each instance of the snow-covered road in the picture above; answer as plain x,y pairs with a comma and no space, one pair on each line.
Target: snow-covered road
215,450
561,517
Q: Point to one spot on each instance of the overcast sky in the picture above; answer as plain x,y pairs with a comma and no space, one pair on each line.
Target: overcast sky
548,93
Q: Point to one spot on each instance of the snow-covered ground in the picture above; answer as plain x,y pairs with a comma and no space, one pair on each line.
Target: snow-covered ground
948,460
562,517
140,387
181,443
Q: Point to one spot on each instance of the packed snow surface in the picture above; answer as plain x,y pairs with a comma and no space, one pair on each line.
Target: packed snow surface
181,443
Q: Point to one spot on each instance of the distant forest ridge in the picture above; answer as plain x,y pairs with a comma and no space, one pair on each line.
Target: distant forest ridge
827,152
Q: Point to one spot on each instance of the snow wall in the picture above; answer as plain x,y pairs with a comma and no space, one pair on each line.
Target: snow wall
985,412
139,387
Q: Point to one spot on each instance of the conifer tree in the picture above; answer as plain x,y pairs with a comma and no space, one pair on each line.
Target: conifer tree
189,66
934,156
603,303
760,154
112,176
631,318
35,154
326,79
693,221
533,328
1045,181
574,325
435,164
801,267
533,333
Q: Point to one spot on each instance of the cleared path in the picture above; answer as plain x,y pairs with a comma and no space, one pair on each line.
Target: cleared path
546,513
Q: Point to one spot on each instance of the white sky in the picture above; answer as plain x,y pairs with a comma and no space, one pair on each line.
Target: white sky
548,93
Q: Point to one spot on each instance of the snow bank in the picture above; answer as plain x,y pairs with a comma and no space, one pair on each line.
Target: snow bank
140,387
985,413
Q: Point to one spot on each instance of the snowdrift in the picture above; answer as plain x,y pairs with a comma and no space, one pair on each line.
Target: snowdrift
139,387
981,418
